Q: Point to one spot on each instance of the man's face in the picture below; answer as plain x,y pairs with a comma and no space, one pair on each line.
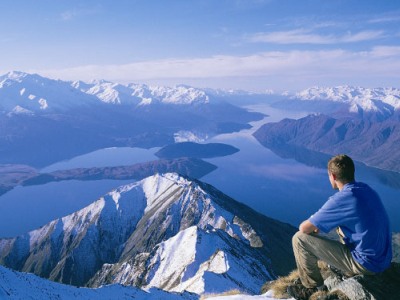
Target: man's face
332,181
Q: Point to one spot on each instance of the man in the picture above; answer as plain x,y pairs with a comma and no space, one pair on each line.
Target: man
356,211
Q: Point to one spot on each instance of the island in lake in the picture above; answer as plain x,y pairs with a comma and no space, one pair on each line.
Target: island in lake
195,150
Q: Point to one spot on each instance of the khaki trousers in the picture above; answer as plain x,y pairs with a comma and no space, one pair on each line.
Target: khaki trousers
309,248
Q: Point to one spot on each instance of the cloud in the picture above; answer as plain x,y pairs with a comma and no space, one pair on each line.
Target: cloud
386,51
362,36
395,17
301,36
290,37
297,68
78,12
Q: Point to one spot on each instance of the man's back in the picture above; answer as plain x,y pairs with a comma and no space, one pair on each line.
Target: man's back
359,212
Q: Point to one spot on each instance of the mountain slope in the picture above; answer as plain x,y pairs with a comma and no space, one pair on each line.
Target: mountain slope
23,93
366,141
165,231
16,286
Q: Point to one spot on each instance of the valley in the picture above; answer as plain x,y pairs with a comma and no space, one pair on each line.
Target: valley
172,169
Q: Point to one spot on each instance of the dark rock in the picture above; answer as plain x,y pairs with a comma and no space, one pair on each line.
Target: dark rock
383,286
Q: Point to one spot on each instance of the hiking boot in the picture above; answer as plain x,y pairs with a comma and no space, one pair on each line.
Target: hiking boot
300,292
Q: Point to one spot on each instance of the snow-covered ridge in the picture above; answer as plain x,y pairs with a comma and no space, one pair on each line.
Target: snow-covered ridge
369,99
165,231
17,285
141,94
21,92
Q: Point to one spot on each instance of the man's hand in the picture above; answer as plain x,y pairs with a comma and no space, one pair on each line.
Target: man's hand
308,228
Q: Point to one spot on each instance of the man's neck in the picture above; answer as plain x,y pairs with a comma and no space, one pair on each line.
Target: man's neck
340,184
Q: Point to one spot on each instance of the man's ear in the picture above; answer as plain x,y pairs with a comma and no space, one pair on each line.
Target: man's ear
334,176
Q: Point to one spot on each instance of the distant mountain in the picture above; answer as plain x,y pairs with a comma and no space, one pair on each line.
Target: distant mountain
141,94
23,93
368,99
372,103
165,231
362,122
43,121
370,142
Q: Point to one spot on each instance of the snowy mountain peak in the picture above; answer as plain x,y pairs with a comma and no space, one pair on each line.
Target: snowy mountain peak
165,231
14,75
141,94
368,99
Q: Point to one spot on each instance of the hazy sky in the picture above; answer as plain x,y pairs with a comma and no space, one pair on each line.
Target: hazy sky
242,44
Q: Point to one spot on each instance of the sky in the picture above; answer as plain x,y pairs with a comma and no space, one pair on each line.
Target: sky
255,45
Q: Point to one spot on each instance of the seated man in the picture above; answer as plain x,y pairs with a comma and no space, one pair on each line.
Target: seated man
357,211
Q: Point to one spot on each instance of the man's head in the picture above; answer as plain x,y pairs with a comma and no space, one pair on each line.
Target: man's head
341,170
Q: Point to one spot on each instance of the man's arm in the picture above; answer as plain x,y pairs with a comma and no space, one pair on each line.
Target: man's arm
308,227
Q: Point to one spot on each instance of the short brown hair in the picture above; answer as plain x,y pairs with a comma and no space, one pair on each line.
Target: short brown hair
342,166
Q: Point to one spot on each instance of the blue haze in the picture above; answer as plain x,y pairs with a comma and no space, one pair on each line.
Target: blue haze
283,189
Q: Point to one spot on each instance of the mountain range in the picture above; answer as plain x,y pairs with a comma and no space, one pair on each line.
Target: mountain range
368,99
165,231
361,122
23,93
43,121
344,101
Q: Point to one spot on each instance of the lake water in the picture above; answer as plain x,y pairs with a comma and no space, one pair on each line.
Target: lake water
283,189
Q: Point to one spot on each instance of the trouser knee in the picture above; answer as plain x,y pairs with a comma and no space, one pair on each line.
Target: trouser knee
298,238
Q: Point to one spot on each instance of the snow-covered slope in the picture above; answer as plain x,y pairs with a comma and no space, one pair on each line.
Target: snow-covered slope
17,286
22,93
165,231
383,100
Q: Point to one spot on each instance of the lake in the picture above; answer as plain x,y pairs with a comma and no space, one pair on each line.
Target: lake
284,189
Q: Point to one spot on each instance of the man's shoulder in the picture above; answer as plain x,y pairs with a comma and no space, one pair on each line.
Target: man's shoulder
356,186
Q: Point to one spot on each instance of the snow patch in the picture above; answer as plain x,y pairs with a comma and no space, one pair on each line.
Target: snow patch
189,136
43,103
19,110
172,257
